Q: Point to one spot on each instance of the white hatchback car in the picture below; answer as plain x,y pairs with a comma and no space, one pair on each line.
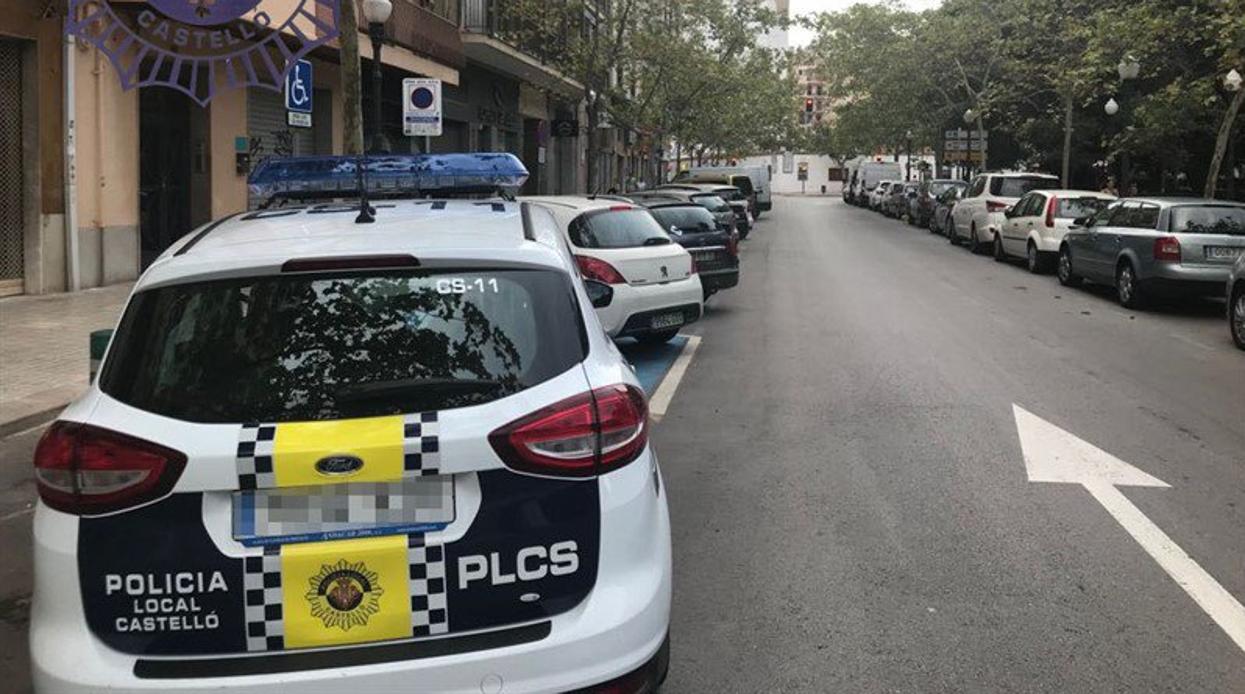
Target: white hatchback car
656,290
978,216
1034,227
325,456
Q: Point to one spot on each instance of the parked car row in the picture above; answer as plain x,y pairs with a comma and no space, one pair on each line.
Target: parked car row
1143,247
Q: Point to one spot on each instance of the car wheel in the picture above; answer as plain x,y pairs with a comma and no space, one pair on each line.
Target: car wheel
932,224
1000,255
953,237
1127,291
1236,316
1063,271
657,337
1033,259
974,243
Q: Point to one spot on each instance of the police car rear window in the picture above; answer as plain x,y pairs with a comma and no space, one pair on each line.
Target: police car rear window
313,347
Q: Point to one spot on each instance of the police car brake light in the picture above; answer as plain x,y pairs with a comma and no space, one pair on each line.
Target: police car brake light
88,470
585,435
387,175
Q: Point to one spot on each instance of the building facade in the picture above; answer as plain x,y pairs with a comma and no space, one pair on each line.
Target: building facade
149,164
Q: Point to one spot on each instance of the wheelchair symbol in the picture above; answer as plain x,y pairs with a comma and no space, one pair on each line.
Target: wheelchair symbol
298,91
298,88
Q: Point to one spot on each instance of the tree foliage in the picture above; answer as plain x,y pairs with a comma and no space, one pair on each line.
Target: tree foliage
1038,73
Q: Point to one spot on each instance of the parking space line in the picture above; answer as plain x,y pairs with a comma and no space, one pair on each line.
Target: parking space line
665,392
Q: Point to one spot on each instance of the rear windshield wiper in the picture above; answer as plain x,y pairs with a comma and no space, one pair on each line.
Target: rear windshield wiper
363,391
656,241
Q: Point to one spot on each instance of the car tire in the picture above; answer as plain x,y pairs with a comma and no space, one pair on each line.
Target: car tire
974,242
657,337
1000,255
1034,260
1127,290
953,237
932,224
1063,271
1236,315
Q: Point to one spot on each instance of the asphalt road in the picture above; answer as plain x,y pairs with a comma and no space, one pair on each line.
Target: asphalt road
849,499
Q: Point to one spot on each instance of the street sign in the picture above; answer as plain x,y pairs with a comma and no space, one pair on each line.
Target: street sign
801,172
421,107
298,94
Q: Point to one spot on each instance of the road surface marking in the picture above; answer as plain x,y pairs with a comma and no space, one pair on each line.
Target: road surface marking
1054,455
665,392
15,514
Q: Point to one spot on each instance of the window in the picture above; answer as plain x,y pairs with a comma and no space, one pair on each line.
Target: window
629,228
686,218
312,347
1143,216
979,184
1016,186
1107,215
1075,208
1208,219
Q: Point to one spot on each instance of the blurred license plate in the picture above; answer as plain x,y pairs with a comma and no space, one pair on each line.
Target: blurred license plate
1223,252
666,320
342,511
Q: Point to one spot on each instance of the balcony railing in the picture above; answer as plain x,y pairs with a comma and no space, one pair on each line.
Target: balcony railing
489,18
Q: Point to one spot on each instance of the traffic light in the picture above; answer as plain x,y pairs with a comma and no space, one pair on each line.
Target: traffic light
808,105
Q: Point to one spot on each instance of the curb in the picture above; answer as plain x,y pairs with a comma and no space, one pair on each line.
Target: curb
30,421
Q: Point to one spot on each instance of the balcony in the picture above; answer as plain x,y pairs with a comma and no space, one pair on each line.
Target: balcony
426,27
491,39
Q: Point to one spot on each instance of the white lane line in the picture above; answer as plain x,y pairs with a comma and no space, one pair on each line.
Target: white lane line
665,392
1054,455
1188,340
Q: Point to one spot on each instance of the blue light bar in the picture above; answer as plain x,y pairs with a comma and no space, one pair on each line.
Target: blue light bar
387,175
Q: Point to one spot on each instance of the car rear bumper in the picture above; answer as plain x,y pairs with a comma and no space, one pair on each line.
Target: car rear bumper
632,303
713,280
765,205
1176,280
619,629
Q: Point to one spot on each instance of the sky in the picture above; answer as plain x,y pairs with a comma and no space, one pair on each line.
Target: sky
801,37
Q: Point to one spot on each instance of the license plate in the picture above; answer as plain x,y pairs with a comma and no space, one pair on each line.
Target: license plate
666,320
342,511
1223,252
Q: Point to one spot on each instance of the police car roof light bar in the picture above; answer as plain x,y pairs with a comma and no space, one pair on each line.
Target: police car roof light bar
397,175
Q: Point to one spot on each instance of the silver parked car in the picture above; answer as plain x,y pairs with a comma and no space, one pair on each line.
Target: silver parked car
1236,301
1152,246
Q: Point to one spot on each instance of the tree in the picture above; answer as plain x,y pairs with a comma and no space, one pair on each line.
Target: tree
352,88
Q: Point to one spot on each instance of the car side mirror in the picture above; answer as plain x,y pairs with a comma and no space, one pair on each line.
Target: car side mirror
599,293
1009,211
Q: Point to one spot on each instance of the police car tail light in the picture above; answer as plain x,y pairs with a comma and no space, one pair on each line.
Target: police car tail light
87,470
585,435
599,270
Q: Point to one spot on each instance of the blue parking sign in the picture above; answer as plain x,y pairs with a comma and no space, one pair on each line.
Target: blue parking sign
298,88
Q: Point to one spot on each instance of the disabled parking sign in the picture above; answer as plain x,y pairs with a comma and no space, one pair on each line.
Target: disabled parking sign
298,95
421,107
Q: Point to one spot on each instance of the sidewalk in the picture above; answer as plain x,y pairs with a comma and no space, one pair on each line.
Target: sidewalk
44,350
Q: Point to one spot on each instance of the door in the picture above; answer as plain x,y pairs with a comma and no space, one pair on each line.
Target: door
13,173
164,169
962,213
1024,216
1104,241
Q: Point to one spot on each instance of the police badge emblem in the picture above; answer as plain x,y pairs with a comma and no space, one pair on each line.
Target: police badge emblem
202,46
344,595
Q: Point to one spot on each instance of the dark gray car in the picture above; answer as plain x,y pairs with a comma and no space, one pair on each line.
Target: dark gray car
1152,246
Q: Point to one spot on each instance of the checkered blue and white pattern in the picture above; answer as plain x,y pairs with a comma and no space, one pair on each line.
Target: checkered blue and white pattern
265,622
421,449
429,603
254,461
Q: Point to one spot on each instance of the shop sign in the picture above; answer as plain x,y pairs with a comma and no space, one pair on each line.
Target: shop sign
201,47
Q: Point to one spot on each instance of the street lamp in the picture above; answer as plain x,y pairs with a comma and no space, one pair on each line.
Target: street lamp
1111,107
908,173
1128,68
1232,81
377,12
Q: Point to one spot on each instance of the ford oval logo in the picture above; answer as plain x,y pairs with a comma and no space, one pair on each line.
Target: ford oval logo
339,465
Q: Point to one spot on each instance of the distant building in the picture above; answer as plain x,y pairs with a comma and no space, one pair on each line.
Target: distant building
777,38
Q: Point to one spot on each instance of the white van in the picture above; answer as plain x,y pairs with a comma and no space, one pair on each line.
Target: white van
758,178
868,175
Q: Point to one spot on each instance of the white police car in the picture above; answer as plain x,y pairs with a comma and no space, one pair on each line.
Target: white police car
325,456
656,290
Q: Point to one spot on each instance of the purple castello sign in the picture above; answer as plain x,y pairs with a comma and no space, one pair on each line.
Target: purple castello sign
203,46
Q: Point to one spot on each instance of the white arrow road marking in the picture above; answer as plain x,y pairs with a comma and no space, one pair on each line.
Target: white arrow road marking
1054,455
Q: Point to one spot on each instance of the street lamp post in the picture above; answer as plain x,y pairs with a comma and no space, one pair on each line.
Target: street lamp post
377,12
1232,84
972,118
908,173
1128,69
